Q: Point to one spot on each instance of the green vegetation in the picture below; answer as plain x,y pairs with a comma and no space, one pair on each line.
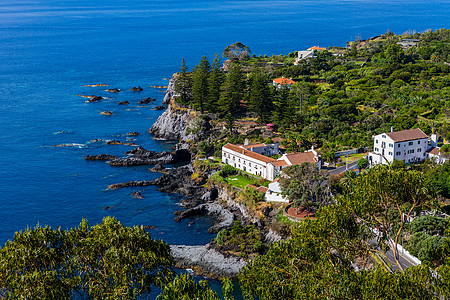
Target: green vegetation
240,240
106,261
338,101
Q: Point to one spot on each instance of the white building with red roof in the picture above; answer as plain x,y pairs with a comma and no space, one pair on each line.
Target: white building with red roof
408,145
253,159
283,81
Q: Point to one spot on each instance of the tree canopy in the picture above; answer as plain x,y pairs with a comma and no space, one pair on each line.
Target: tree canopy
105,261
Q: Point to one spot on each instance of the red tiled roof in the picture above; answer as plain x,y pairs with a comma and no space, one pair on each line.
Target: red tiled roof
299,158
407,135
283,80
280,163
249,153
261,189
434,151
316,48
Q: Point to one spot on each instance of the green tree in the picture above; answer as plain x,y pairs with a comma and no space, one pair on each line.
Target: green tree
384,198
215,81
237,51
232,90
305,185
183,287
394,54
260,100
183,85
362,163
200,89
106,261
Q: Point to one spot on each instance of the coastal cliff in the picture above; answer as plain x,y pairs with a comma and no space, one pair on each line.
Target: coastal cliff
174,123
170,92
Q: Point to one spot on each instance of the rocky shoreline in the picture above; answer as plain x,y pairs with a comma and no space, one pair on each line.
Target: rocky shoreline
206,261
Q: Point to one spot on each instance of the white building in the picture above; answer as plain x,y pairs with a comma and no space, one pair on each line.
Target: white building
407,145
253,159
273,193
305,54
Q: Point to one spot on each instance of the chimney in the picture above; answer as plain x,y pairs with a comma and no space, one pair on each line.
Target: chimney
392,128
434,140
246,142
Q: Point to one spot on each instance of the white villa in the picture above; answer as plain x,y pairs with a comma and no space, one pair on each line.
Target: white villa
253,159
408,145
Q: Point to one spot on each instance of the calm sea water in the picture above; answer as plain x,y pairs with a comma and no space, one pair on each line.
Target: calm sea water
50,49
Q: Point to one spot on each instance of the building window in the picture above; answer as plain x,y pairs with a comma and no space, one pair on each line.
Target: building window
390,153
398,153
418,142
419,150
383,136
376,141
410,143
391,146
383,144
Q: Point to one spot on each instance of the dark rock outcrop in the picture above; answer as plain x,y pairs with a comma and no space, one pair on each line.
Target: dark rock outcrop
100,157
115,90
140,156
146,100
159,107
137,195
106,113
132,133
124,103
130,184
95,99
211,209
116,142
136,89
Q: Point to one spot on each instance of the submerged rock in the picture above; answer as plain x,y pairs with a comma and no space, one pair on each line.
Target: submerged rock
132,133
159,107
95,85
124,103
106,113
136,89
115,90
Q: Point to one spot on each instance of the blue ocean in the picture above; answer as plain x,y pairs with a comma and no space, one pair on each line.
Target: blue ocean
51,49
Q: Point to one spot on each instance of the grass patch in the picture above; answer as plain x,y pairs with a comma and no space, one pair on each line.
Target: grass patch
239,181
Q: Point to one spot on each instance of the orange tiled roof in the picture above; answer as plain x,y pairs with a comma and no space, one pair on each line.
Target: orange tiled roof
317,48
434,151
299,158
249,153
280,163
261,189
283,80
407,135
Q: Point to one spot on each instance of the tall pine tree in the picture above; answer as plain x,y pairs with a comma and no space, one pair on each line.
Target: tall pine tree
232,90
260,100
200,84
183,85
215,81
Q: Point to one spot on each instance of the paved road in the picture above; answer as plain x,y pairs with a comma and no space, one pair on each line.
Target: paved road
352,165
